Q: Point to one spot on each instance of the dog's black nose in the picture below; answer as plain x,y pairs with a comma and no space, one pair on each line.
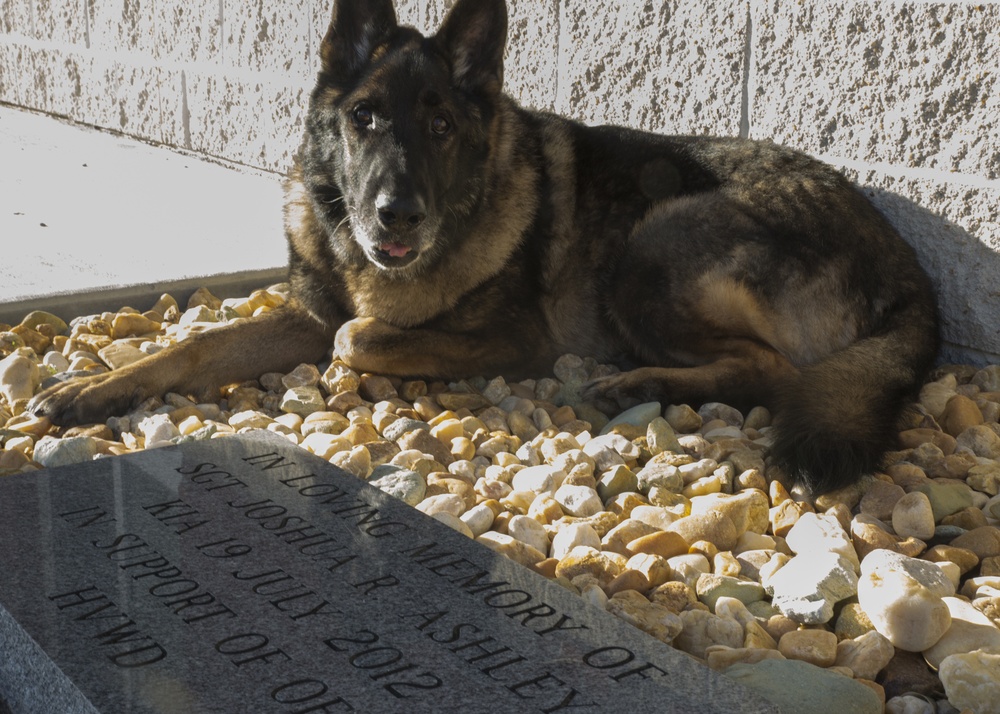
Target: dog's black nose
400,214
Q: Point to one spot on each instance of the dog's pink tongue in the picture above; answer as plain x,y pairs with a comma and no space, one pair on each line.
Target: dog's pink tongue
395,250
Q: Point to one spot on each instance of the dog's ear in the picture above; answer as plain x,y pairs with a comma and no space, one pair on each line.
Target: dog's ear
356,29
473,36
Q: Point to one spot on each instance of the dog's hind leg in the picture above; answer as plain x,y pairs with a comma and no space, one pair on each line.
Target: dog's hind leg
744,371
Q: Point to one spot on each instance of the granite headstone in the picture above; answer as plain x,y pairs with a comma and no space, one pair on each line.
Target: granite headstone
246,575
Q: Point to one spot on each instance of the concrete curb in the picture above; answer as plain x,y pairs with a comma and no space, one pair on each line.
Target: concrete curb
141,297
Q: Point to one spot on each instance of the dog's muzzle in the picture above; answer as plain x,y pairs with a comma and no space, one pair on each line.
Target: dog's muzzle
392,254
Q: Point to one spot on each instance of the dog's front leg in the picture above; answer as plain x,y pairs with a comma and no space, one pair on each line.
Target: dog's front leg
277,341
371,345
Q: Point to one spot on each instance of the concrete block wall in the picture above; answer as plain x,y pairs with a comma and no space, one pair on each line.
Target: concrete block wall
903,95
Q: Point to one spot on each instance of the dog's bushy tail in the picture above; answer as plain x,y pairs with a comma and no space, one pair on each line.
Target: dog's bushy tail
838,418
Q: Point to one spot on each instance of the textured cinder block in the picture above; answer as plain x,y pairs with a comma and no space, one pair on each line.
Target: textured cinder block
267,36
434,13
15,17
60,21
284,124
531,63
320,12
956,232
174,115
122,25
227,117
913,84
120,96
51,80
12,74
408,12
672,66
188,31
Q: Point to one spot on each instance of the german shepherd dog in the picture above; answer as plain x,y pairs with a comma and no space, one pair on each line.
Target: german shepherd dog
437,229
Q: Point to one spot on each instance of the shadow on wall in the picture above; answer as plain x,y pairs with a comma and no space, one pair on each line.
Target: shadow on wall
965,272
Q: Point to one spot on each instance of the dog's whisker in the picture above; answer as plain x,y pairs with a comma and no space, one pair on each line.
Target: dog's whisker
342,222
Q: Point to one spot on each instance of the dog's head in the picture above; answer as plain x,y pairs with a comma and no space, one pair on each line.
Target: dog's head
399,128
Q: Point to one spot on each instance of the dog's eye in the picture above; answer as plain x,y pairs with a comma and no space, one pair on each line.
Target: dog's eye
440,125
363,116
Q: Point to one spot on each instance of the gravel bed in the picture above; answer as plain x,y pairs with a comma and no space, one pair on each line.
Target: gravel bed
667,516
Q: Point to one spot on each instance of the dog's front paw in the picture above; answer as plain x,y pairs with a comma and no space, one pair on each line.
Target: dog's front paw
84,400
355,341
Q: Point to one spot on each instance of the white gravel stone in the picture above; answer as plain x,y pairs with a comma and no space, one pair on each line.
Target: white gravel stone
689,568
158,429
357,461
19,377
913,516
638,416
725,432
649,617
697,470
925,572
807,587
51,452
980,440
305,375
56,361
970,630
934,396
538,479
909,704
117,355
447,502
951,570
658,474
747,509
734,609
302,401
815,533
324,445
903,599
580,501
656,568
866,655
682,418
970,681
408,486
250,419
479,518
710,411
591,590
528,530
660,437
604,457
754,541
659,518
511,547
571,535
453,522
702,630
616,442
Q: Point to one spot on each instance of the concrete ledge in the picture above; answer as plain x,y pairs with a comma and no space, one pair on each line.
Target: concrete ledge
141,297
83,211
